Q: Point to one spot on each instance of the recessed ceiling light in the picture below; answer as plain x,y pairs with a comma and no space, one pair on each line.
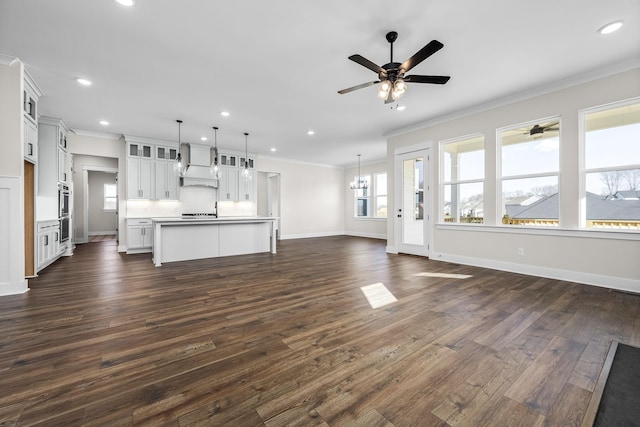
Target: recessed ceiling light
127,2
83,82
310,132
203,138
610,27
401,107
104,122
273,149
225,114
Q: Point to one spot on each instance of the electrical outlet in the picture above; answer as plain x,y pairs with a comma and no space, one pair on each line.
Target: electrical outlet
520,252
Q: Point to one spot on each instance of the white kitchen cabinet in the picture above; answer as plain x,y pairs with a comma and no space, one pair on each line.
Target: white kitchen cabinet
138,149
140,178
54,167
30,140
166,152
228,183
48,243
247,187
166,180
139,235
63,166
227,159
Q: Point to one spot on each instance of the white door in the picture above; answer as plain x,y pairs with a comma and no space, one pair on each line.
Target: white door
411,202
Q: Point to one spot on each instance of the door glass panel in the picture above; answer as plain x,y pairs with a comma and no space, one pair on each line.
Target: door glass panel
413,201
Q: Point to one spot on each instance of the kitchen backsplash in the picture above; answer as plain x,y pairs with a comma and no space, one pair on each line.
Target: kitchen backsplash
192,199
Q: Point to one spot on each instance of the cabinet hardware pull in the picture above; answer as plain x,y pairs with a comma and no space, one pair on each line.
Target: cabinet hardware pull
30,145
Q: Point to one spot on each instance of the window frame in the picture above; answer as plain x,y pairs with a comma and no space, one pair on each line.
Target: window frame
584,171
443,182
500,178
105,197
366,196
377,195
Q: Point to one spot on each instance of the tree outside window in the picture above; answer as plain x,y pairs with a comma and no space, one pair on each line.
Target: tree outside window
612,167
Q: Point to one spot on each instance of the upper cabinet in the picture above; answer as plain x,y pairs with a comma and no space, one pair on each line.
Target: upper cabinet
235,185
54,166
135,149
30,96
150,169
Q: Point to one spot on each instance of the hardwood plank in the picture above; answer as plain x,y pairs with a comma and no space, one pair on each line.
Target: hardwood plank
539,386
107,339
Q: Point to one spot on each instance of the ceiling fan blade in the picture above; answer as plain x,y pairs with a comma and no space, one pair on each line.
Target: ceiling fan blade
366,63
438,80
432,47
363,85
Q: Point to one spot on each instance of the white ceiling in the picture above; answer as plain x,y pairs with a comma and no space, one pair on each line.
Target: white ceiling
277,65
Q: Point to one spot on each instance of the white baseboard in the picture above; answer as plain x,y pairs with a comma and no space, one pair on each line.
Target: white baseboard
311,235
619,283
367,235
122,248
14,288
102,233
80,241
391,250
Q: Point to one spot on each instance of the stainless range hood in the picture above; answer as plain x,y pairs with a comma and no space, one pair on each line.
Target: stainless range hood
198,158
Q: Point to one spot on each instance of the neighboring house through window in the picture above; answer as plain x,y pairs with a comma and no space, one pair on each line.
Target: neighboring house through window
463,180
530,167
611,195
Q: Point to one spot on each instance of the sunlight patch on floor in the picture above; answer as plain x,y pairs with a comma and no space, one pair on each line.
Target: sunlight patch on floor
378,295
444,275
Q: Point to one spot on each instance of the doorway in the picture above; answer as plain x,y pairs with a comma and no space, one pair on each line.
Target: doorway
100,204
411,202
269,198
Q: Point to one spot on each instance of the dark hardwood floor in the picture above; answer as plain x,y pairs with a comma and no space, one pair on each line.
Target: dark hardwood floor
107,339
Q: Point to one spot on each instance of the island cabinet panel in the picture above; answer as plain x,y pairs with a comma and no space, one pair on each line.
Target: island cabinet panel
180,243
240,239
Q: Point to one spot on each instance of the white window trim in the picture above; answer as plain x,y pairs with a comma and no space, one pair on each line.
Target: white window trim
583,171
500,178
444,182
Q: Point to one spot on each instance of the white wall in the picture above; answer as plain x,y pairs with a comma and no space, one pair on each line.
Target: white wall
605,259
100,222
12,260
364,227
312,198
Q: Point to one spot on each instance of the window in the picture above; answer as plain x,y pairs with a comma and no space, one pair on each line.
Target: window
110,197
463,177
362,197
381,195
612,167
530,159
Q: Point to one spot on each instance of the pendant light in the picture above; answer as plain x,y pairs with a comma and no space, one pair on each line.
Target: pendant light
179,165
359,183
215,167
246,172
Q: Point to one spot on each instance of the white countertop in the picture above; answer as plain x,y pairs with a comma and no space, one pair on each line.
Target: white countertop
213,220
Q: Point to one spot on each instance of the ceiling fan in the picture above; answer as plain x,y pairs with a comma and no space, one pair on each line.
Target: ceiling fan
538,130
391,76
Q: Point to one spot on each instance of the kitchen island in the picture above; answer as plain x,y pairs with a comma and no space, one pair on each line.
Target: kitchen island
181,239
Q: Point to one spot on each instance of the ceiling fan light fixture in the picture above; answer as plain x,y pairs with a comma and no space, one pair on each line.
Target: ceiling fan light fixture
399,88
383,89
610,27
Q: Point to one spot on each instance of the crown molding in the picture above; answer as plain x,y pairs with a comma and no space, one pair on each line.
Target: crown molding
102,135
575,80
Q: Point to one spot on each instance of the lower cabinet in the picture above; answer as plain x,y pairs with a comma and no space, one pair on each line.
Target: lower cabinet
48,242
139,235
